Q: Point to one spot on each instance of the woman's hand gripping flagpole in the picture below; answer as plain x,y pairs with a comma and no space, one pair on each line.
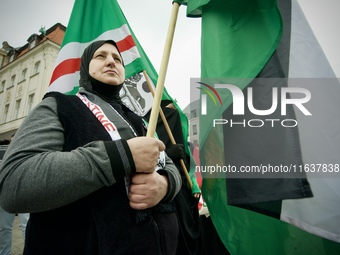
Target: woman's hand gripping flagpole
168,130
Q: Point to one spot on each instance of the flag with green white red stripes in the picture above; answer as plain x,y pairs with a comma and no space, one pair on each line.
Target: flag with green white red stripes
103,20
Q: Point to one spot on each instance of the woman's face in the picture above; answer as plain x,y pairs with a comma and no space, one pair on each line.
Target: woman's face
106,65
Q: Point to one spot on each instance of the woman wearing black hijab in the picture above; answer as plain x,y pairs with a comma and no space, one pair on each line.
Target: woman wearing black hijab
83,169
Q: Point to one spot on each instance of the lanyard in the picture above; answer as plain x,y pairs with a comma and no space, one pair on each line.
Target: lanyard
103,119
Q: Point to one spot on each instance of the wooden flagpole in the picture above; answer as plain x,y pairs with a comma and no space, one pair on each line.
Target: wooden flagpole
162,72
168,130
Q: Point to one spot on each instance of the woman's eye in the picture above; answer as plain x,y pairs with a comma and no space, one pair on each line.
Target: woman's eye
118,60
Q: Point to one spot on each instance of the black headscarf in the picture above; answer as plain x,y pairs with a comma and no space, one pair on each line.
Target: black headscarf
91,84
107,92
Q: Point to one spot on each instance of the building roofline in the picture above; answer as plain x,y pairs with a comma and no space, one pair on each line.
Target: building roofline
43,38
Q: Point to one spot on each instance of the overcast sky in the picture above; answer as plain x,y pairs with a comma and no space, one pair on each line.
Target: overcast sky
149,20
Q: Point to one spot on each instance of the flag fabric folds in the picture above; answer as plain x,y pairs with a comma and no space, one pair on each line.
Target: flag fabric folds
100,20
91,21
250,42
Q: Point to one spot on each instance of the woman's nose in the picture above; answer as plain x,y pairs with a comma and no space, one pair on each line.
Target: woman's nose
110,61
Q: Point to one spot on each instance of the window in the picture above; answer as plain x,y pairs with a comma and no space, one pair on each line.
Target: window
12,80
2,62
36,67
33,40
23,74
12,53
33,43
194,129
2,87
11,58
193,114
30,102
17,108
5,113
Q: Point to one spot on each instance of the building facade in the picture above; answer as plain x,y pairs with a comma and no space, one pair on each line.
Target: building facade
25,73
192,113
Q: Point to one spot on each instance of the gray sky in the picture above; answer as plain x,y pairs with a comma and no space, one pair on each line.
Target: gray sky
149,20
